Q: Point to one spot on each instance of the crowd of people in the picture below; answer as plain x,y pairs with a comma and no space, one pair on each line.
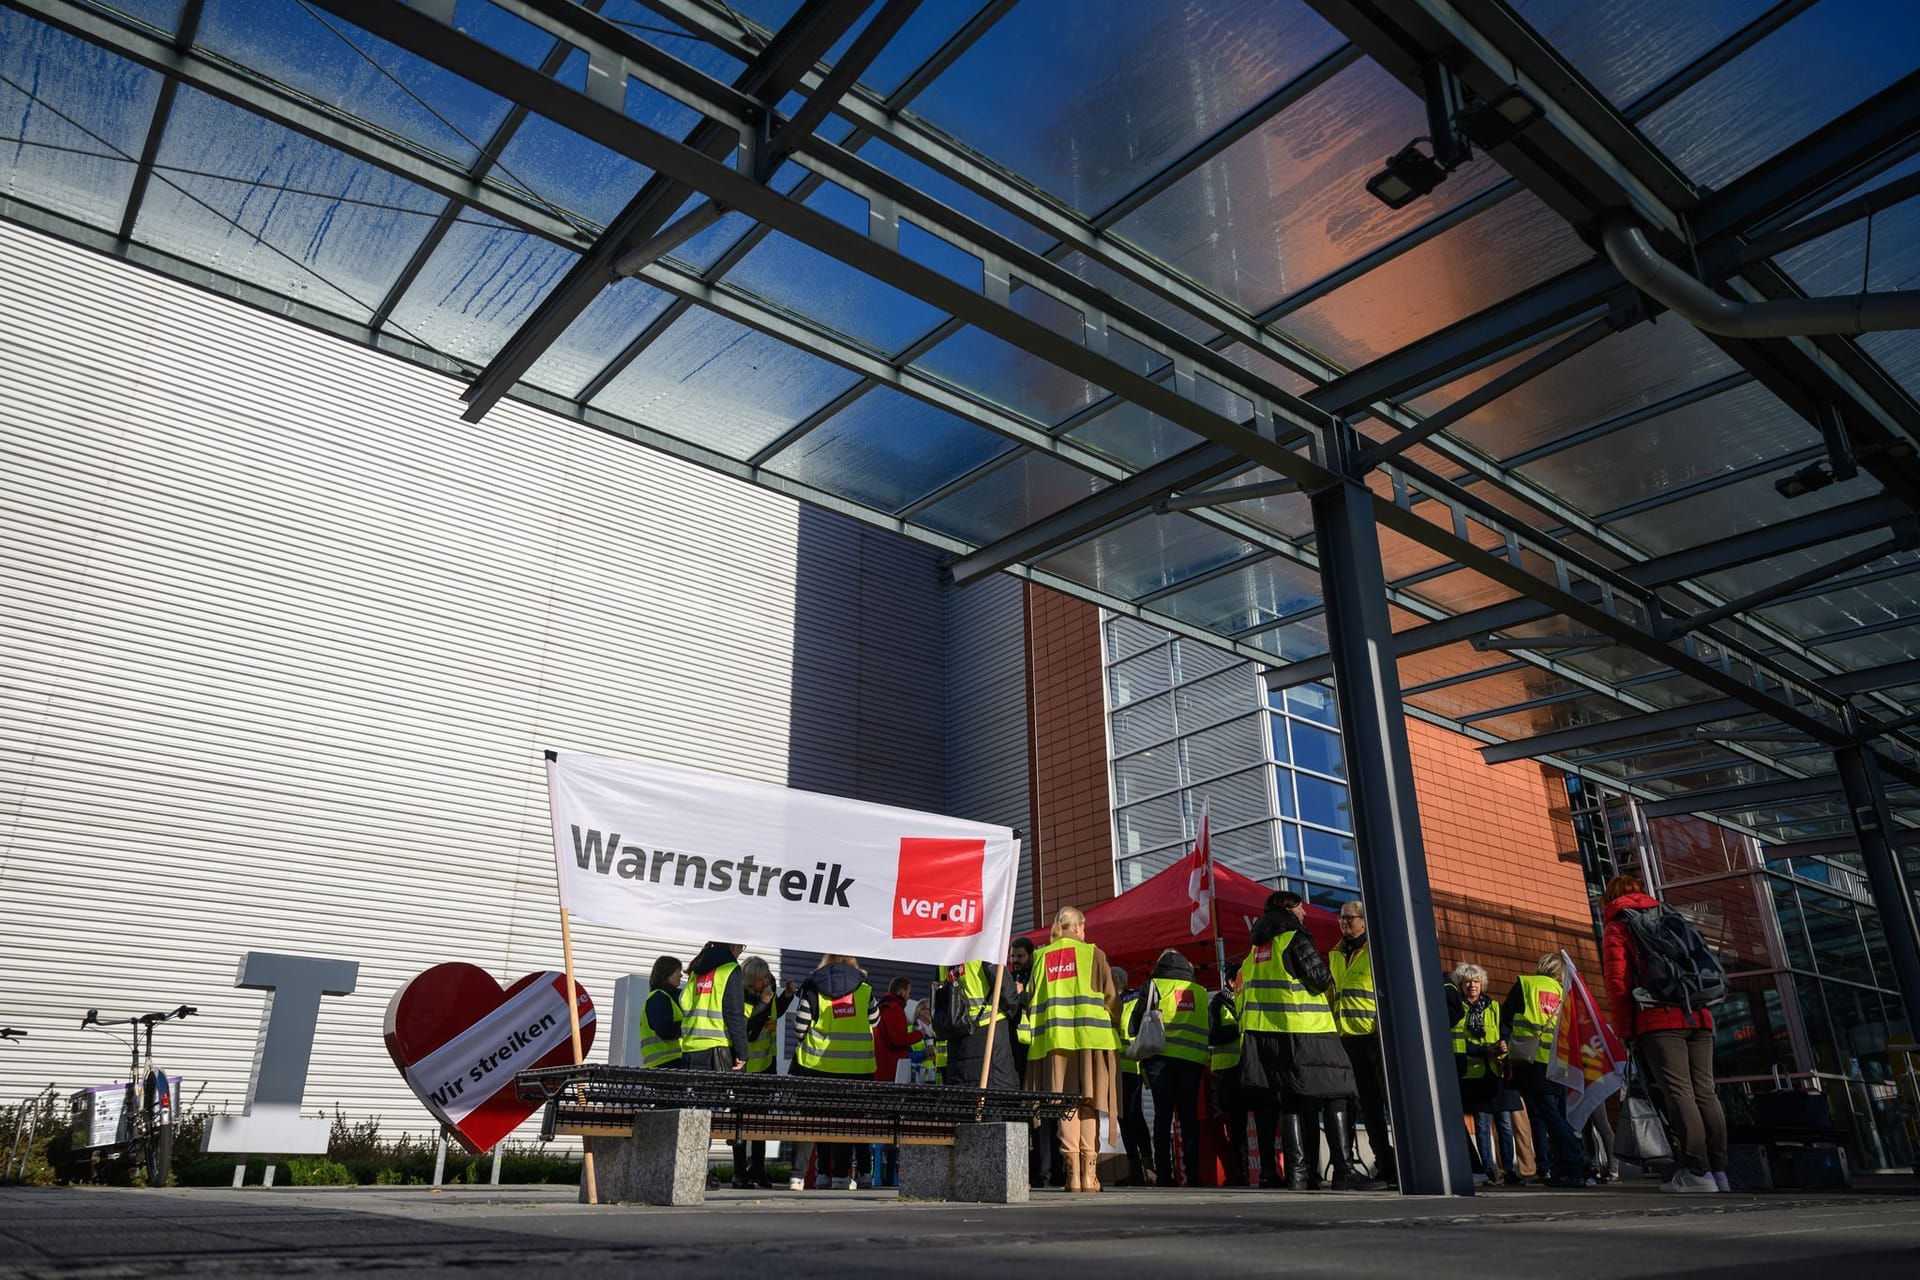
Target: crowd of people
1291,1043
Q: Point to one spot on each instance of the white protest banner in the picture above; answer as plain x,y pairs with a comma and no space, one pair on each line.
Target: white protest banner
653,849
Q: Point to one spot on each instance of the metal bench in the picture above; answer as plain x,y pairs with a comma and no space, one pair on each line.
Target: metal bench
650,1128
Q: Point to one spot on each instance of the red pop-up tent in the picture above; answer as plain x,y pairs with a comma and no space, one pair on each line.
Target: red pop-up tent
1134,928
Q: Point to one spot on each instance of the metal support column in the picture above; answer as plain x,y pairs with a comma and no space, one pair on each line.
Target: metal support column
1873,826
1429,1138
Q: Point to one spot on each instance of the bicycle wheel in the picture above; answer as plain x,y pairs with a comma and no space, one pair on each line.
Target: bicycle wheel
159,1162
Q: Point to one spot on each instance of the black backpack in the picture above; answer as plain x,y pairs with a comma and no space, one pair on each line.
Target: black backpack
1675,965
952,1019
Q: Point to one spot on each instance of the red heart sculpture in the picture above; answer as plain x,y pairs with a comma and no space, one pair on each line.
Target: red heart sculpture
458,1039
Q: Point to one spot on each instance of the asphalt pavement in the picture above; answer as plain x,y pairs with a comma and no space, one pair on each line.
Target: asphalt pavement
1633,1232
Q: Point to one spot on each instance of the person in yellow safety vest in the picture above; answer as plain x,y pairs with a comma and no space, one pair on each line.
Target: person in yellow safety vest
833,1021
1480,1055
1073,1001
1356,1016
961,1052
1531,1020
1291,1062
1133,1119
1228,1105
713,1029
660,1015
1044,1140
1175,1073
764,1010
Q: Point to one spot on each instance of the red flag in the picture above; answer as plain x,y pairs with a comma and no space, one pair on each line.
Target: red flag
1200,881
1588,1058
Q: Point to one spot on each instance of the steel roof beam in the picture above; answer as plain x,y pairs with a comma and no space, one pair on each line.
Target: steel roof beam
776,71
1751,795
1586,736
189,25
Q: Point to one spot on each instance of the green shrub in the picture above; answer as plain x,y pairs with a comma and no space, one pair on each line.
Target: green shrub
318,1172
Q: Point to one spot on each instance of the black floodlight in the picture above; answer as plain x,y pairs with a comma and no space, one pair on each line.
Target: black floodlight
1410,174
1809,479
1492,124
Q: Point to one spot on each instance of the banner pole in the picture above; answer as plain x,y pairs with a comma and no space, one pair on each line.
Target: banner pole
573,1016
1213,903
993,1024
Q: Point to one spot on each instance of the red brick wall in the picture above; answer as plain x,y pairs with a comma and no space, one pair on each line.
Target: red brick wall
1502,860
1068,731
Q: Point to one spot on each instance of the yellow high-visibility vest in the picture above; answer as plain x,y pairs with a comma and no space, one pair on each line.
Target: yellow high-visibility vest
1224,1057
1535,1021
1273,1000
1183,1014
655,1052
1069,1012
1477,1066
840,1040
760,1047
1356,1010
705,1023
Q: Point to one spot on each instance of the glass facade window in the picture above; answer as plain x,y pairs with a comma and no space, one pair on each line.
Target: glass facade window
1193,730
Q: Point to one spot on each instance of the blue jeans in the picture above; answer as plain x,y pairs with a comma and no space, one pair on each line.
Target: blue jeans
1557,1151
1484,1125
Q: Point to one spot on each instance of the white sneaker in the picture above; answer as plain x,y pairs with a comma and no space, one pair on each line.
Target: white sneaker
796,1184
853,1184
1692,1184
1720,1180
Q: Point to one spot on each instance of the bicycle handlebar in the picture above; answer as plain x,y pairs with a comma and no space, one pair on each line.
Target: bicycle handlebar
11,1033
93,1018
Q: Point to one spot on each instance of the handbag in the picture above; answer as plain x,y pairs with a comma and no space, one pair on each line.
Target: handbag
1641,1134
1150,1041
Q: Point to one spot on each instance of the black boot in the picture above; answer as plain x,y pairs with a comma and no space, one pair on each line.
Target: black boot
1266,1120
1291,1142
1340,1134
1310,1148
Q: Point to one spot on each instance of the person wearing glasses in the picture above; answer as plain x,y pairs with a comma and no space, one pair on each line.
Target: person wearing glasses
1356,1014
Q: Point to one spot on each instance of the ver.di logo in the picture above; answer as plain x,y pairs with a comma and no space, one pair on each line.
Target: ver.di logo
937,892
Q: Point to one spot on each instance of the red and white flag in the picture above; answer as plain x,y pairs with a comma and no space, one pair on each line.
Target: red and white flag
1200,881
1588,1058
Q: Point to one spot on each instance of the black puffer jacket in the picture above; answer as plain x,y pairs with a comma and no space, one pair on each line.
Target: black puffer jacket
1314,1065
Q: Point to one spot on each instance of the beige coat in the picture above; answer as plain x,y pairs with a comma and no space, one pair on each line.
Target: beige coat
1093,1074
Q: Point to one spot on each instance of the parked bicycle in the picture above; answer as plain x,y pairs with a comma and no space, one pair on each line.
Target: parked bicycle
140,1129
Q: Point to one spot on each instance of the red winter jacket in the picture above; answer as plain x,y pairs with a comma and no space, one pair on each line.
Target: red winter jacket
1620,964
893,1039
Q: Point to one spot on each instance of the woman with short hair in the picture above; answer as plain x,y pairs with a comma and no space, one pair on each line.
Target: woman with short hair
1480,1056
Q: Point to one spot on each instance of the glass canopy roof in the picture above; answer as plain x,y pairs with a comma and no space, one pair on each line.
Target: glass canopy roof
1007,275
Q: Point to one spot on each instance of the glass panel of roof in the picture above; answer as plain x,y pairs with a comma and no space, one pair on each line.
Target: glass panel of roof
1146,554
1733,775
1500,689
1462,590
563,169
70,146
977,361
1287,204
885,156
1674,691
163,15
1847,608
617,315
251,199
806,282
721,385
1292,643
1623,373
1702,756
1898,353
1723,434
1875,650
1827,60
359,74
1288,514
1626,47
1614,664
1261,592
480,284
1132,436
1089,98
1752,503
1031,487
1593,708
646,22
1747,578
886,449
1402,558
1446,662
1511,247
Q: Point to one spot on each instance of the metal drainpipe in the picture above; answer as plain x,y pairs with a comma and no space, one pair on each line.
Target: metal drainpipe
1646,270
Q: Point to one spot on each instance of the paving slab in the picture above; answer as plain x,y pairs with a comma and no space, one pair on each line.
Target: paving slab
1632,1232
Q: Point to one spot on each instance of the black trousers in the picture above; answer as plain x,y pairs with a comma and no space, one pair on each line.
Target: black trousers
1370,1082
1176,1091
1133,1120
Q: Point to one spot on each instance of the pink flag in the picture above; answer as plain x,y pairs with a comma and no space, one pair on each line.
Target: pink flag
1200,881
1588,1057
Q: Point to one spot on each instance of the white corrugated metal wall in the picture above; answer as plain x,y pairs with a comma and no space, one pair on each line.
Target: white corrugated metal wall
282,640
987,709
